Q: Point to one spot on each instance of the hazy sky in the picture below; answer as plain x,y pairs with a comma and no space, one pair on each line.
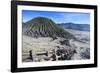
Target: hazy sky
58,17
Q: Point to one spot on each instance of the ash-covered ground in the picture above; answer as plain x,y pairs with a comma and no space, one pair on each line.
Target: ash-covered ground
49,49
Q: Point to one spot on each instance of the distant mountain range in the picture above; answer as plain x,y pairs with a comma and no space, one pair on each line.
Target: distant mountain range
81,27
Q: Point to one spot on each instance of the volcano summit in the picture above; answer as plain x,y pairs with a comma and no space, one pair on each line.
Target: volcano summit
44,27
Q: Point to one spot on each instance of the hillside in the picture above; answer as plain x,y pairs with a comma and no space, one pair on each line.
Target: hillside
44,27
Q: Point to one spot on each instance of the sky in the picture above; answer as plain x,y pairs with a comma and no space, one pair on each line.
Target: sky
57,17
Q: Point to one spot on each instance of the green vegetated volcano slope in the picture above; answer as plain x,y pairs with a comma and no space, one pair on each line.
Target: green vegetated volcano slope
44,27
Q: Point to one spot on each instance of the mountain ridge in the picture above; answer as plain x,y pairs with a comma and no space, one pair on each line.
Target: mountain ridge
81,27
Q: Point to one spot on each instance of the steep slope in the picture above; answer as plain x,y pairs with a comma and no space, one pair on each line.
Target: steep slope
44,27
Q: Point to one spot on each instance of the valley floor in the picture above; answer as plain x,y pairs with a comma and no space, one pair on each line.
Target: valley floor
48,49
